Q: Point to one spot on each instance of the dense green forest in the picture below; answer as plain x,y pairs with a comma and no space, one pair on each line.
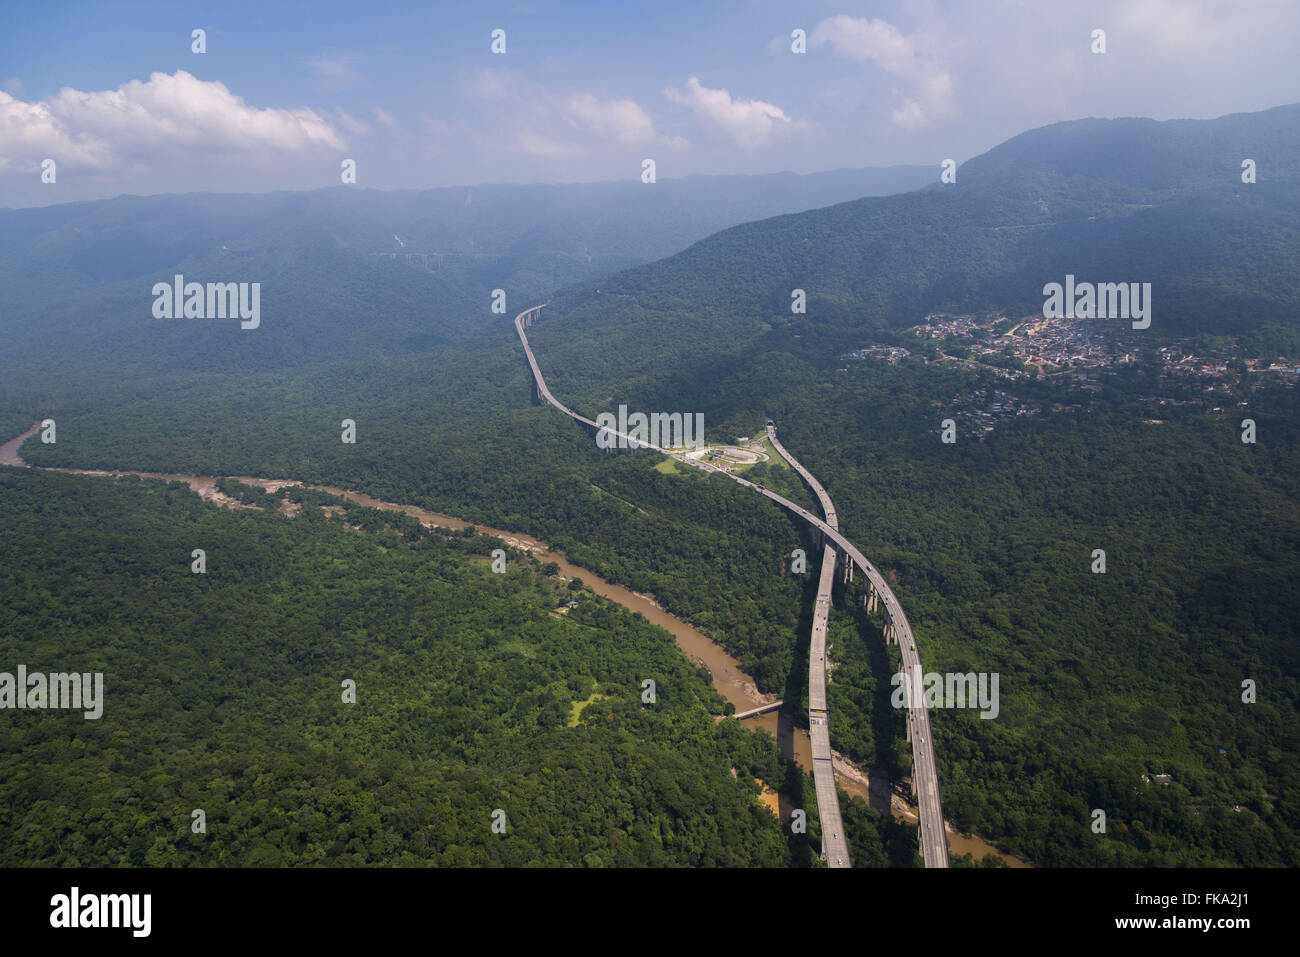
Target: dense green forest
991,542
222,693
1108,677
1104,678
484,455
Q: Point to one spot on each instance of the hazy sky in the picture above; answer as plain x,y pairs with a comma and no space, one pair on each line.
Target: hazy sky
114,94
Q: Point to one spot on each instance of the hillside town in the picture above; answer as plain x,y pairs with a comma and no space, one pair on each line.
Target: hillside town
1040,347
1078,354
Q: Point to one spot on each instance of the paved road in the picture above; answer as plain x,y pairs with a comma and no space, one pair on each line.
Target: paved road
924,776
934,844
925,780
835,846
828,507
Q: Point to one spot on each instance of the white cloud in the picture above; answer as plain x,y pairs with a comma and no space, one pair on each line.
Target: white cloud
383,116
1178,27
551,125
908,114
181,108
867,41
622,120
750,123
30,132
351,123
535,144
930,93
141,125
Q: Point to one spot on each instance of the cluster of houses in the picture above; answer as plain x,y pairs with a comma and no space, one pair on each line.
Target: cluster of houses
891,353
981,412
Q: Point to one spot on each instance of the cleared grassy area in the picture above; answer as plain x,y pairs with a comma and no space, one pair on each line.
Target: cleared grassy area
668,467
575,711
774,455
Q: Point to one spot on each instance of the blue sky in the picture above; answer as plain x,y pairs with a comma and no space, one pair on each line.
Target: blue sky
412,92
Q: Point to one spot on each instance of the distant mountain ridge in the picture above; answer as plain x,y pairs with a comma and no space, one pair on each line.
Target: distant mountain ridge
1151,154
333,263
1105,200
618,222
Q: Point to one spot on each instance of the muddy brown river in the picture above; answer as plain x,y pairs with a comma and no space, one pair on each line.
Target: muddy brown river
728,677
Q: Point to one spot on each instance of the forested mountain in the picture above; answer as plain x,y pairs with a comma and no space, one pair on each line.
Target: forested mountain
355,272
1105,677
1105,201
1135,153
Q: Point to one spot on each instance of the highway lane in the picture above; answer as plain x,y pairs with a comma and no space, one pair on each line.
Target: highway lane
924,776
835,845
934,844
828,507
835,848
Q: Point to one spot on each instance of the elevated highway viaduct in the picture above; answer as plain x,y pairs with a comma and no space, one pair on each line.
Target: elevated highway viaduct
879,596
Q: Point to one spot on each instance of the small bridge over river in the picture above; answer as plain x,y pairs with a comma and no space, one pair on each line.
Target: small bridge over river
761,709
